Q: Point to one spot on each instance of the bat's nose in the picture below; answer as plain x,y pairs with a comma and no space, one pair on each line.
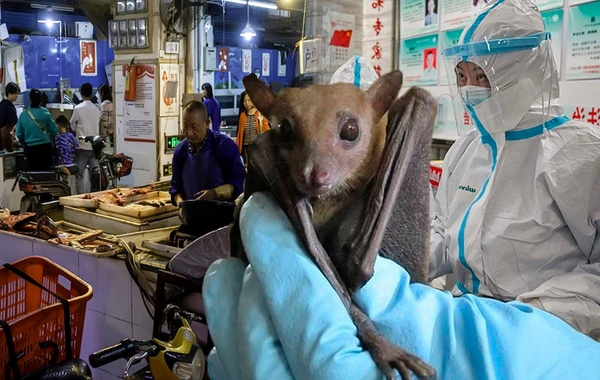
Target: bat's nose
320,178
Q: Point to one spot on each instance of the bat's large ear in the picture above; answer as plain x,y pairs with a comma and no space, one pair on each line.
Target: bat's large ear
384,91
261,95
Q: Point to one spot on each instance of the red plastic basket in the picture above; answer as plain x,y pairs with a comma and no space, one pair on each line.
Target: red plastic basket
35,316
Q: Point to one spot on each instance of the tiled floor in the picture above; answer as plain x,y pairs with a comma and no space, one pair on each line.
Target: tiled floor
115,311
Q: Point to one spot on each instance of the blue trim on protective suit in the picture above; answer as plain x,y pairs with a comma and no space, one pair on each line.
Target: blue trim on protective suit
537,130
462,288
356,71
487,139
498,46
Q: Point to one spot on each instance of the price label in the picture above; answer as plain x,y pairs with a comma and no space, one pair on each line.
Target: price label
167,170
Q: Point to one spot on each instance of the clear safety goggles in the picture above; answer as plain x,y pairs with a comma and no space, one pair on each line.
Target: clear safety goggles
467,87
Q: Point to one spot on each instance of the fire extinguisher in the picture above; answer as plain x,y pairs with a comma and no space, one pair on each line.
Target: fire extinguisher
130,82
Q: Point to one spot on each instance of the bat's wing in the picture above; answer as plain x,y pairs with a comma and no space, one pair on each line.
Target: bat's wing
409,130
394,217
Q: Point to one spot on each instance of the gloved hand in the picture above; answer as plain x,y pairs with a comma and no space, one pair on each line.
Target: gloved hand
279,318
207,195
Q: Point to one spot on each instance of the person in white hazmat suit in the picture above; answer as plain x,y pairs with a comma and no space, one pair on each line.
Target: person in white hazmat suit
517,211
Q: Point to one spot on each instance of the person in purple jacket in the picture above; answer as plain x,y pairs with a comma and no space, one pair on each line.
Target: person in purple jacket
213,106
206,165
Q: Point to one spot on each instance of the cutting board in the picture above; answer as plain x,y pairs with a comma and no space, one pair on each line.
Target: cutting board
79,201
135,210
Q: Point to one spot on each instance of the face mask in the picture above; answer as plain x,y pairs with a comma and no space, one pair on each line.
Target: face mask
473,95
97,95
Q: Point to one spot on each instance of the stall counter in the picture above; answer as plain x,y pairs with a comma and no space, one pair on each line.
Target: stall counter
116,310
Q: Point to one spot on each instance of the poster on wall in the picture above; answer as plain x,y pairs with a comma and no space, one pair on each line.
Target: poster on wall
221,80
139,117
577,2
341,45
13,66
458,13
246,60
544,5
554,21
266,64
418,60
280,67
88,61
447,39
169,74
583,41
223,59
418,17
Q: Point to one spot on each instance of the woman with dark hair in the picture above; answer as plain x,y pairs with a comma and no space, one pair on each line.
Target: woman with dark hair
36,131
106,120
250,124
213,107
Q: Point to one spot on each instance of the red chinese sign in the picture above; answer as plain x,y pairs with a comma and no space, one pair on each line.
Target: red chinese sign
592,116
377,27
377,5
435,174
377,70
376,51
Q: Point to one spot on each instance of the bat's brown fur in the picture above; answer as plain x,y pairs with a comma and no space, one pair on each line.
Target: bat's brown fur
376,197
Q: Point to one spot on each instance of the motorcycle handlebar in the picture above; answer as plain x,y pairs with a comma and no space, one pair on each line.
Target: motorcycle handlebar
123,350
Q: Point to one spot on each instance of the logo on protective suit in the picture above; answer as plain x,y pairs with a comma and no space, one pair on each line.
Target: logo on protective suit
467,188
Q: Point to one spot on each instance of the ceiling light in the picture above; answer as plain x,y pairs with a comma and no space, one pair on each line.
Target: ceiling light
51,8
258,4
248,32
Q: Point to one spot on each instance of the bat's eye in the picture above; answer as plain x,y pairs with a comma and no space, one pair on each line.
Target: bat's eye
349,131
286,132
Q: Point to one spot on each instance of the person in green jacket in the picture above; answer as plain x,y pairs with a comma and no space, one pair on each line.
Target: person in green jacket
36,130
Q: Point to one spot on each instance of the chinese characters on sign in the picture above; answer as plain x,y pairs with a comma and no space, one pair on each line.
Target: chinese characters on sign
377,35
139,117
583,40
246,60
311,56
376,51
592,116
266,64
377,27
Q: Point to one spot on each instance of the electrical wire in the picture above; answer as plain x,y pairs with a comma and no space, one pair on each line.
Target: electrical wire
303,37
135,271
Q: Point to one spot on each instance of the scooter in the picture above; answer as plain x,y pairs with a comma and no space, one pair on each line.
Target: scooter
111,167
43,187
179,358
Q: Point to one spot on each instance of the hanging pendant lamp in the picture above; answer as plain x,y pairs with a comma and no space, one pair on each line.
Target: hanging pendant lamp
248,32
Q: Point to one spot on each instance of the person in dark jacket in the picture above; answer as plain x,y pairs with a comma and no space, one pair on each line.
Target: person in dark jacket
206,164
8,116
213,107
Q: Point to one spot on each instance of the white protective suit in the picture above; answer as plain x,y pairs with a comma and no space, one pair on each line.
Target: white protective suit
517,211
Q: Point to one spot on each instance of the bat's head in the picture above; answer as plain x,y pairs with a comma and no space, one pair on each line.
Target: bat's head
331,136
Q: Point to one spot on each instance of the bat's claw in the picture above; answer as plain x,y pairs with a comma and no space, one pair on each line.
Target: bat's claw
390,357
